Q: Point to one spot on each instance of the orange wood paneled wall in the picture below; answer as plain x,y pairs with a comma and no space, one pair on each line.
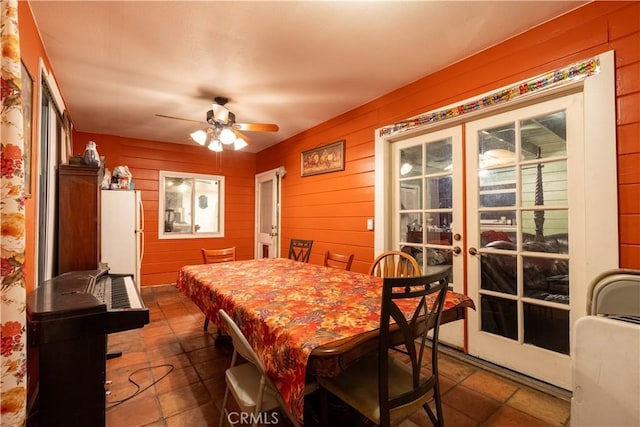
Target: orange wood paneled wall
164,258
333,208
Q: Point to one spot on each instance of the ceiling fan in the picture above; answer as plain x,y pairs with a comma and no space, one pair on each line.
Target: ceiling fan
222,129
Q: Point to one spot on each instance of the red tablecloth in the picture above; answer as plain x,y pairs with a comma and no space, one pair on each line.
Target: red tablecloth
287,308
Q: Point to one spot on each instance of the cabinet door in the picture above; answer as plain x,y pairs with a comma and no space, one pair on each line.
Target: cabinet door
78,218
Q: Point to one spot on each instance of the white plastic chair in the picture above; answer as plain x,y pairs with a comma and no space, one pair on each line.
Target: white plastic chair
615,292
248,382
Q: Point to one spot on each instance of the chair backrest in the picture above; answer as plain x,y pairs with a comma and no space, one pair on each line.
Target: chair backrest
241,346
335,260
240,343
300,250
421,297
394,264
615,292
212,256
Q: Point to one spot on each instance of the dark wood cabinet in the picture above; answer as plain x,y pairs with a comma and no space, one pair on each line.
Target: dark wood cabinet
78,218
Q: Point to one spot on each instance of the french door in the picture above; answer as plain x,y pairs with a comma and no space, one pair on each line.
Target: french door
428,200
491,198
523,226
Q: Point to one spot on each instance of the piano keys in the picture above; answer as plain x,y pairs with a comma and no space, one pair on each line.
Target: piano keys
125,309
68,320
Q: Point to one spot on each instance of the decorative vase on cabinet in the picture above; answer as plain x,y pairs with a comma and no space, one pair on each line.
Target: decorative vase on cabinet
91,157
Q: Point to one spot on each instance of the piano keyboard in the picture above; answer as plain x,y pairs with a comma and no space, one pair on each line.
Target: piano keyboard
117,292
124,293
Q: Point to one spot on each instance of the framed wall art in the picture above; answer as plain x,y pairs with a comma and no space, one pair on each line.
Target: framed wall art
327,158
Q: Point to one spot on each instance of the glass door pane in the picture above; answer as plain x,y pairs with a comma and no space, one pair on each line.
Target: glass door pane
426,201
523,210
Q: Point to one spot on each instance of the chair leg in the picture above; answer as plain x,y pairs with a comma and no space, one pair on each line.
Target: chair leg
223,409
438,401
256,411
206,323
436,419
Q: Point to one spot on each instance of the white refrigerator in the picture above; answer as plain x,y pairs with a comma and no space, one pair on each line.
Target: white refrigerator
122,237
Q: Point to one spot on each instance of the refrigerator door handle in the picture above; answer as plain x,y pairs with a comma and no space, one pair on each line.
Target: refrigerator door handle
141,245
141,229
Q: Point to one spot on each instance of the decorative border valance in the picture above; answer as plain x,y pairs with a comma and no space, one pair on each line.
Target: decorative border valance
553,79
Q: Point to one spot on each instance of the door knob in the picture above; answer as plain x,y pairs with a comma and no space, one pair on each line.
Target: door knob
473,251
457,250
457,237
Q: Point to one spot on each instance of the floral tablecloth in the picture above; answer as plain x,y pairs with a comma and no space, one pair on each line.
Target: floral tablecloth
287,308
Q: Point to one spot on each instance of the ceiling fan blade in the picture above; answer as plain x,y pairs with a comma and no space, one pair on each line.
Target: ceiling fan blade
180,118
256,127
241,135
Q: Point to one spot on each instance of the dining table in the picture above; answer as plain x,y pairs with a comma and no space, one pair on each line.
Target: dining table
300,318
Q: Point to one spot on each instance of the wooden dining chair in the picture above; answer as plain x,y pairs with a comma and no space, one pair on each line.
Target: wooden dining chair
332,259
300,250
213,256
394,264
387,388
248,382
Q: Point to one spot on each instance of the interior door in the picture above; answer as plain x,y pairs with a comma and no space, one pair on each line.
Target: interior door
428,207
268,214
523,219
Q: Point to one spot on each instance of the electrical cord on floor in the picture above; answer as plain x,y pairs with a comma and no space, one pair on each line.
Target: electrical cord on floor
138,389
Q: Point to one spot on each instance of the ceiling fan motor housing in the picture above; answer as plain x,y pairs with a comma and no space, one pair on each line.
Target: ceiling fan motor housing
227,118
220,114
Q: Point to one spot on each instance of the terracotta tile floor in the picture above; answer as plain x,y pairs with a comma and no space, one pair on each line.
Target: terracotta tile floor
180,377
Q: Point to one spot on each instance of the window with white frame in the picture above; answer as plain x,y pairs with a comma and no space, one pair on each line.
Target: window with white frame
191,205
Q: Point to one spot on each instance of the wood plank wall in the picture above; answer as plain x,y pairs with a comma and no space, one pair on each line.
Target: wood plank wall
145,159
332,209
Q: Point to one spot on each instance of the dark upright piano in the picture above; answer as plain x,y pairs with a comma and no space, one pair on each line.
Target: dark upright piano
68,320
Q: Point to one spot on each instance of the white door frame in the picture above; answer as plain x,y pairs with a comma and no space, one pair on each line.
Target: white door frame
47,148
272,239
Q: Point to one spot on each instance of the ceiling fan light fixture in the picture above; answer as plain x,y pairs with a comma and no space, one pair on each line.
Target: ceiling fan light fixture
222,129
215,146
227,136
199,136
239,144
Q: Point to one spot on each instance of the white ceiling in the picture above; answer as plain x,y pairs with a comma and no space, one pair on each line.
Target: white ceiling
293,63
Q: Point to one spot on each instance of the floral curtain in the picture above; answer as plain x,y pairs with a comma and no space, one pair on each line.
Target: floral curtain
13,363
